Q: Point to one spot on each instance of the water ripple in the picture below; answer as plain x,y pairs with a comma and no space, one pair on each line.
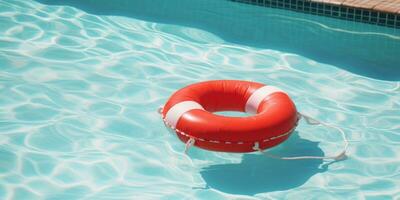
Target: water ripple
79,94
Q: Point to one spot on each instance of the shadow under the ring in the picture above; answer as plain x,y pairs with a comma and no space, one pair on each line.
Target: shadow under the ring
259,174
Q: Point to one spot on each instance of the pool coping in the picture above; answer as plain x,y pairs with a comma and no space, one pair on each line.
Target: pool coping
376,12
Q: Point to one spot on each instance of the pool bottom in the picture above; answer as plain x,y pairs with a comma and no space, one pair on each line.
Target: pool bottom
79,95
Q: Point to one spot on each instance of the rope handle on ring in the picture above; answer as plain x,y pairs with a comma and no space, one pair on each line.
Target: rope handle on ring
191,140
311,121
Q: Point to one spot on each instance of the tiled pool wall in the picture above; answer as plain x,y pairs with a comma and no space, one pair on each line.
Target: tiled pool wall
332,10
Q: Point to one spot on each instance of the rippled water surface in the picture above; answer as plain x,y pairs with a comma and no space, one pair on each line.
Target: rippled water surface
78,100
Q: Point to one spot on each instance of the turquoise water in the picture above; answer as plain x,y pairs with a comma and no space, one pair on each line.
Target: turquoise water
79,94
367,50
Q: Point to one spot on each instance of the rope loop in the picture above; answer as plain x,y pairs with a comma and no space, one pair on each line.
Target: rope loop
311,121
340,156
189,144
256,146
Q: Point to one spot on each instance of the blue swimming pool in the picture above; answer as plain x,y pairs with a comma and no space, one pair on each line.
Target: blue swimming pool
80,83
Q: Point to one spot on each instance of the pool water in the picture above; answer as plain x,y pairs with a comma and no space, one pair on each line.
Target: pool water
79,92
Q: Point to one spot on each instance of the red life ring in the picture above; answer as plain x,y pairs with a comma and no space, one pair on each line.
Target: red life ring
189,112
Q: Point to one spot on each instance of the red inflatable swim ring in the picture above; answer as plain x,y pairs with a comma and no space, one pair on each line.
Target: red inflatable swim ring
189,112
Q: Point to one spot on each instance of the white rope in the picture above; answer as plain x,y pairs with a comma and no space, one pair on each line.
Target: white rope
189,144
311,121
191,140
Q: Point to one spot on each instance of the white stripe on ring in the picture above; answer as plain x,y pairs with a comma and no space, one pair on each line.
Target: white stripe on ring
258,96
175,112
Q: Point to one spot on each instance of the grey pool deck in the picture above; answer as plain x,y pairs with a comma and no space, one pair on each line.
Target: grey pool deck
379,12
